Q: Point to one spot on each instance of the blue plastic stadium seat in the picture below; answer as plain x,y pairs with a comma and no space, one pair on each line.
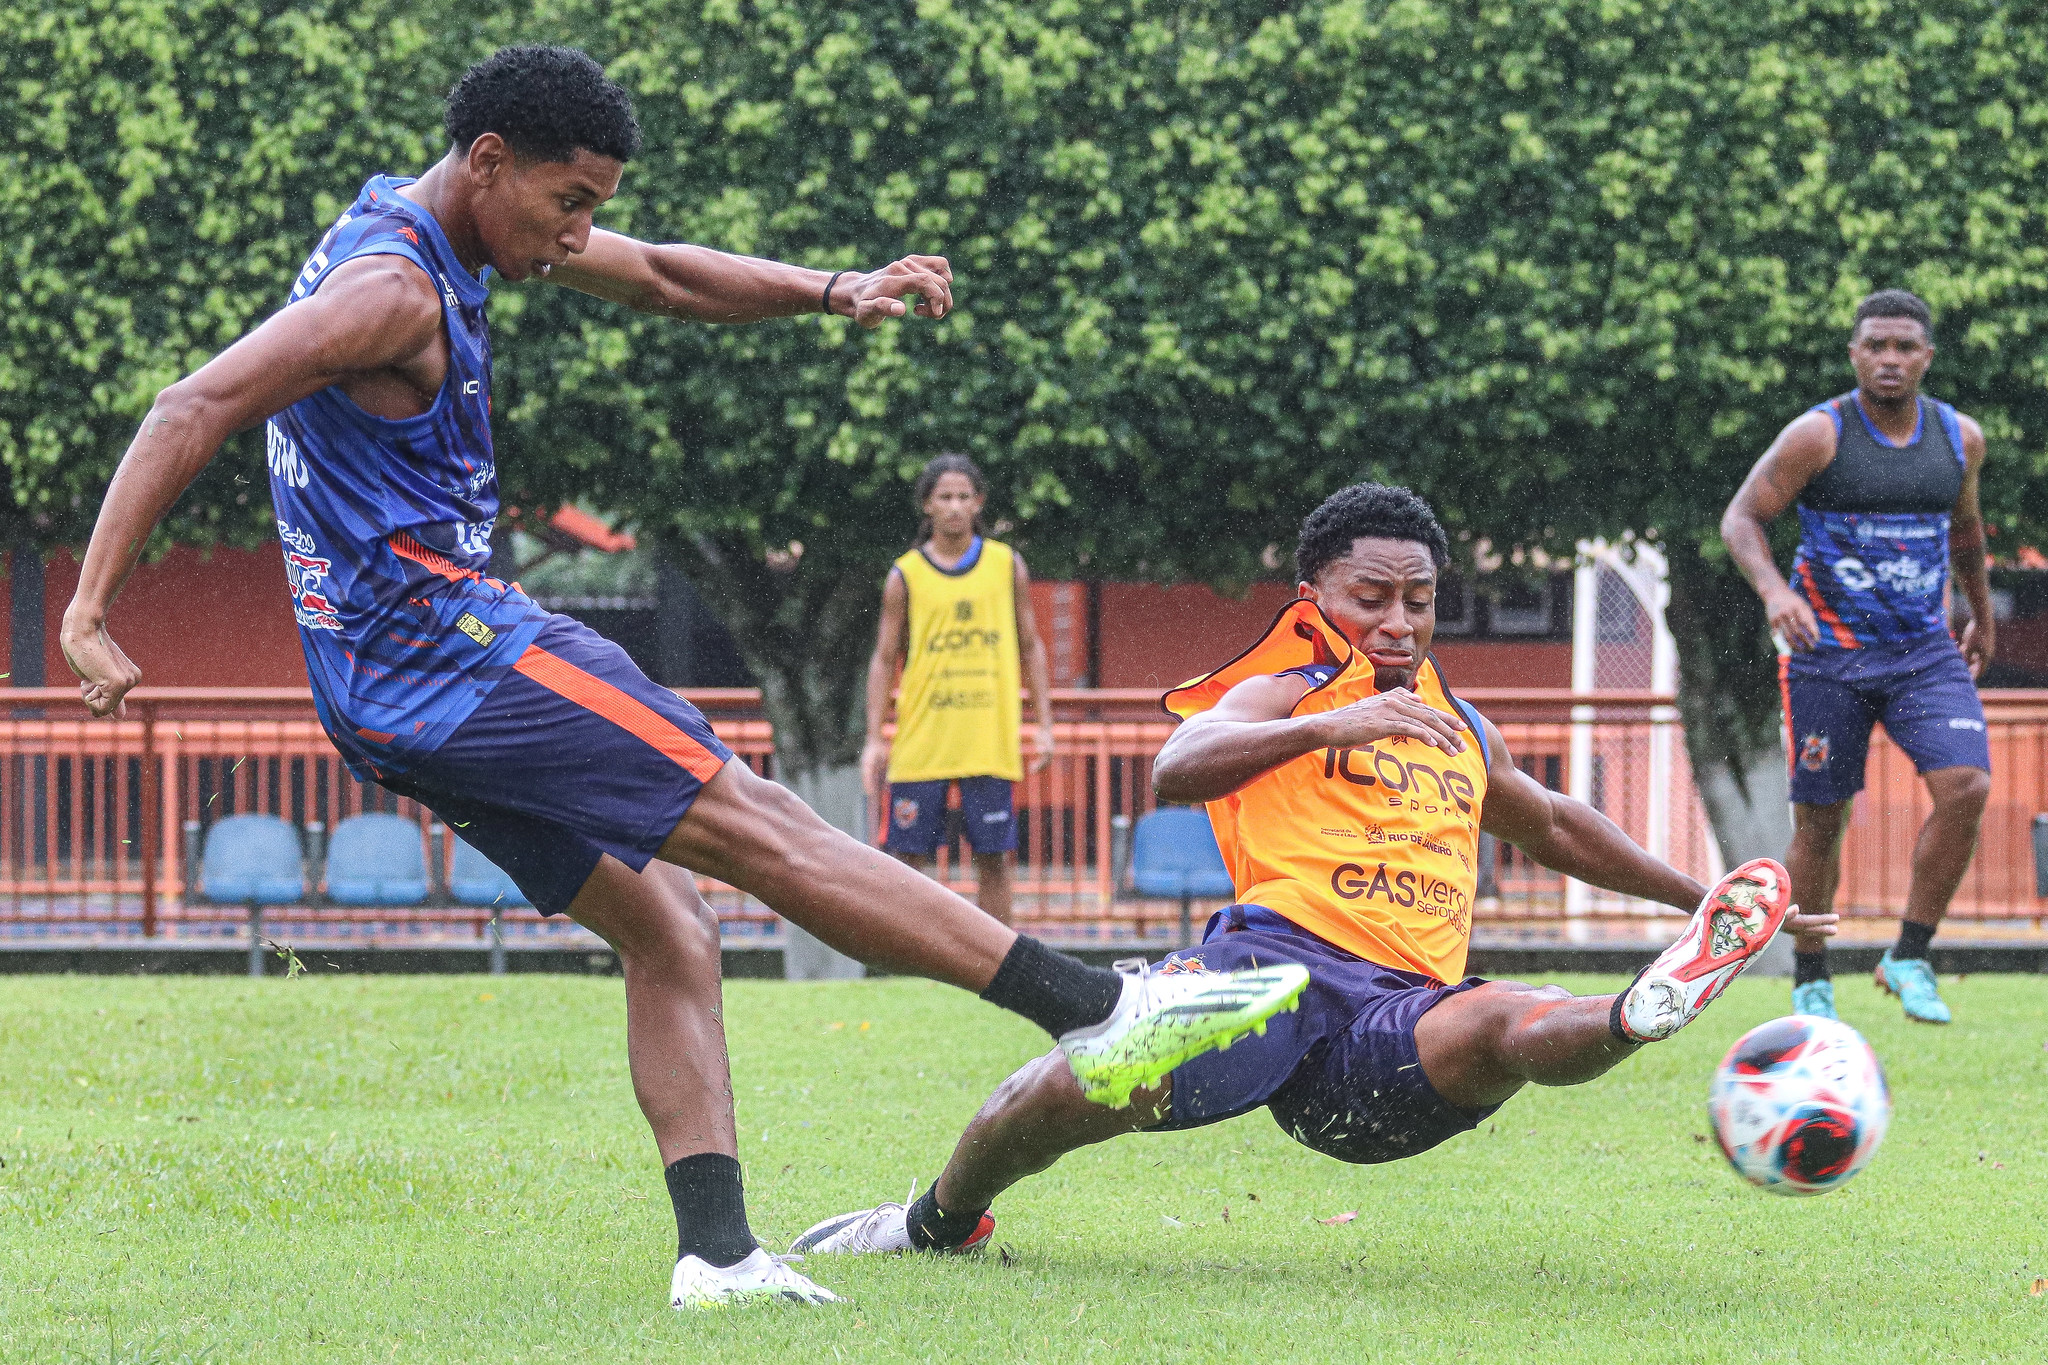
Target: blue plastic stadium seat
252,859
477,880
1174,853
376,860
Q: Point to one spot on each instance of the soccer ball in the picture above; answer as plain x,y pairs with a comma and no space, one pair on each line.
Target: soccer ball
1800,1104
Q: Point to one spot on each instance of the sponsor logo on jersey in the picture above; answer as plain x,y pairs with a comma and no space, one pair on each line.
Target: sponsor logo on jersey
475,629
962,637
1407,888
281,453
1813,753
1407,784
307,573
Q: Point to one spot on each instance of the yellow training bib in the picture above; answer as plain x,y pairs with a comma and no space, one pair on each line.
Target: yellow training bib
958,713
1373,848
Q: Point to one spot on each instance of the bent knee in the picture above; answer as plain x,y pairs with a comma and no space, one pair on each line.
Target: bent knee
1966,790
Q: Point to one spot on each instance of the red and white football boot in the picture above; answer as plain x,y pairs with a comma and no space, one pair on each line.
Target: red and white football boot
1732,925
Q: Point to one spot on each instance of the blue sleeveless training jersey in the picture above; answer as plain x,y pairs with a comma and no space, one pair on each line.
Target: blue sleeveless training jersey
386,525
1879,576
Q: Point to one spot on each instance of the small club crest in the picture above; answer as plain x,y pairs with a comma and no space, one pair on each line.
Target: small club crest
1813,753
905,813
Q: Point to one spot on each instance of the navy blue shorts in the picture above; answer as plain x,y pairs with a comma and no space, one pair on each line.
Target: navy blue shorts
573,755
1340,1074
1922,692
917,815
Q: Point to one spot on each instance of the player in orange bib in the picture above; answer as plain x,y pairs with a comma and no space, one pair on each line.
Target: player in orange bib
1348,788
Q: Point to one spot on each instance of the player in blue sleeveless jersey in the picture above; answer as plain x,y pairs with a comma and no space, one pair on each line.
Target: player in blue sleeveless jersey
1885,480
587,783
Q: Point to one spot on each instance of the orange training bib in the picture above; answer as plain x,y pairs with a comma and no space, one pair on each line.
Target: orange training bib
1373,848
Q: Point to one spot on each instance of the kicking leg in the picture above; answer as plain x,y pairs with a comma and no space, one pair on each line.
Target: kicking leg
1032,1120
1480,1046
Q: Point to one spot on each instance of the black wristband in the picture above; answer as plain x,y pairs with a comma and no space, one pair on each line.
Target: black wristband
825,300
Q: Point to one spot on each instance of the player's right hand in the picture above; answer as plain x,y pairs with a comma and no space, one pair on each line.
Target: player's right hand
879,295
1390,715
1792,620
105,673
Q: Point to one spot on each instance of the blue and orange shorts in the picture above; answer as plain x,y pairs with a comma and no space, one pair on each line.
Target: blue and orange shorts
1340,1074
573,755
1920,690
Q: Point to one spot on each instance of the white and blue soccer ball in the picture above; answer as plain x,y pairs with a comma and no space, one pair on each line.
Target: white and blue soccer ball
1800,1105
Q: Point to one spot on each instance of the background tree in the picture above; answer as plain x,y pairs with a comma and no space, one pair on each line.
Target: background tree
1563,267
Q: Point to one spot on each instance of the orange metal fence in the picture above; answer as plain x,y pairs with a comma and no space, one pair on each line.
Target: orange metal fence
98,818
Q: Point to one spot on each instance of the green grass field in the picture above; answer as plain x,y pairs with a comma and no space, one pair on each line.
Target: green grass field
444,1169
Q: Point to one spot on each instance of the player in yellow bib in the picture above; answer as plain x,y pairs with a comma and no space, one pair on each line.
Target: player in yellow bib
1348,787
956,618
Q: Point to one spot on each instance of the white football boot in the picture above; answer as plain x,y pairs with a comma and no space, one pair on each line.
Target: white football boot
761,1278
1730,928
882,1229
1165,1018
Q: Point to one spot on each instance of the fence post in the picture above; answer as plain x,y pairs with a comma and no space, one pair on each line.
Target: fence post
255,939
316,860
437,864
191,831
152,817
497,940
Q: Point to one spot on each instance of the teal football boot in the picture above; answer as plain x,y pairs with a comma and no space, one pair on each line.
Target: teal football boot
1816,998
1912,980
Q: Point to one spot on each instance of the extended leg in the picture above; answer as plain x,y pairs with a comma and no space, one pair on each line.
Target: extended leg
1480,1046
1032,1120
758,836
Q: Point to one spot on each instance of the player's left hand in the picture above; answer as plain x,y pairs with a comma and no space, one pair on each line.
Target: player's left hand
1820,926
1042,750
879,295
1977,644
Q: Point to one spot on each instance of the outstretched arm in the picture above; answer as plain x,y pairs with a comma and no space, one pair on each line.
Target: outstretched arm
1571,837
371,314
702,285
1966,554
1801,451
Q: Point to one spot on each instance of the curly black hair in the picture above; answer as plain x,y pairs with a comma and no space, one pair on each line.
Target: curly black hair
1367,509
1895,303
545,102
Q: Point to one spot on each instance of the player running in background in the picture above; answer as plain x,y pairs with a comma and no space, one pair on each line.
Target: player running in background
1886,483
1348,788
957,620
536,737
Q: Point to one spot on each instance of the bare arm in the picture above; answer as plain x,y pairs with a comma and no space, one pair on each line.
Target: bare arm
1037,672
369,315
1571,837
702,285
883,668
1966,554
1801,451
1252,731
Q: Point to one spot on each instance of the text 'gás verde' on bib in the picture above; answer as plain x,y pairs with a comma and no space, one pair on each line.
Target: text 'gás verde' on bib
1374,848
958,713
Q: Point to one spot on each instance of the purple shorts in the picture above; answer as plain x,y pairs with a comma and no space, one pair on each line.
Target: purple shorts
575,754
917,815
1340,1074
1920,690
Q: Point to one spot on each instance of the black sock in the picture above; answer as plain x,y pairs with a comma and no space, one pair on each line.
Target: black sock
1614,1018
1809,967
933,1229
711,1210
1913,941
1056,992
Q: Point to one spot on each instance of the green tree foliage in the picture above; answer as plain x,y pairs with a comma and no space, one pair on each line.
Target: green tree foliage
1562,266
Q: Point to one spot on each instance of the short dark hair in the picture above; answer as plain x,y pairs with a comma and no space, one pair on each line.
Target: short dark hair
545,102
1373,510
1894,303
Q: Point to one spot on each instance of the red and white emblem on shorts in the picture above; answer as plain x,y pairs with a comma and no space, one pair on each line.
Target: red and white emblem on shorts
1813,753
906,813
